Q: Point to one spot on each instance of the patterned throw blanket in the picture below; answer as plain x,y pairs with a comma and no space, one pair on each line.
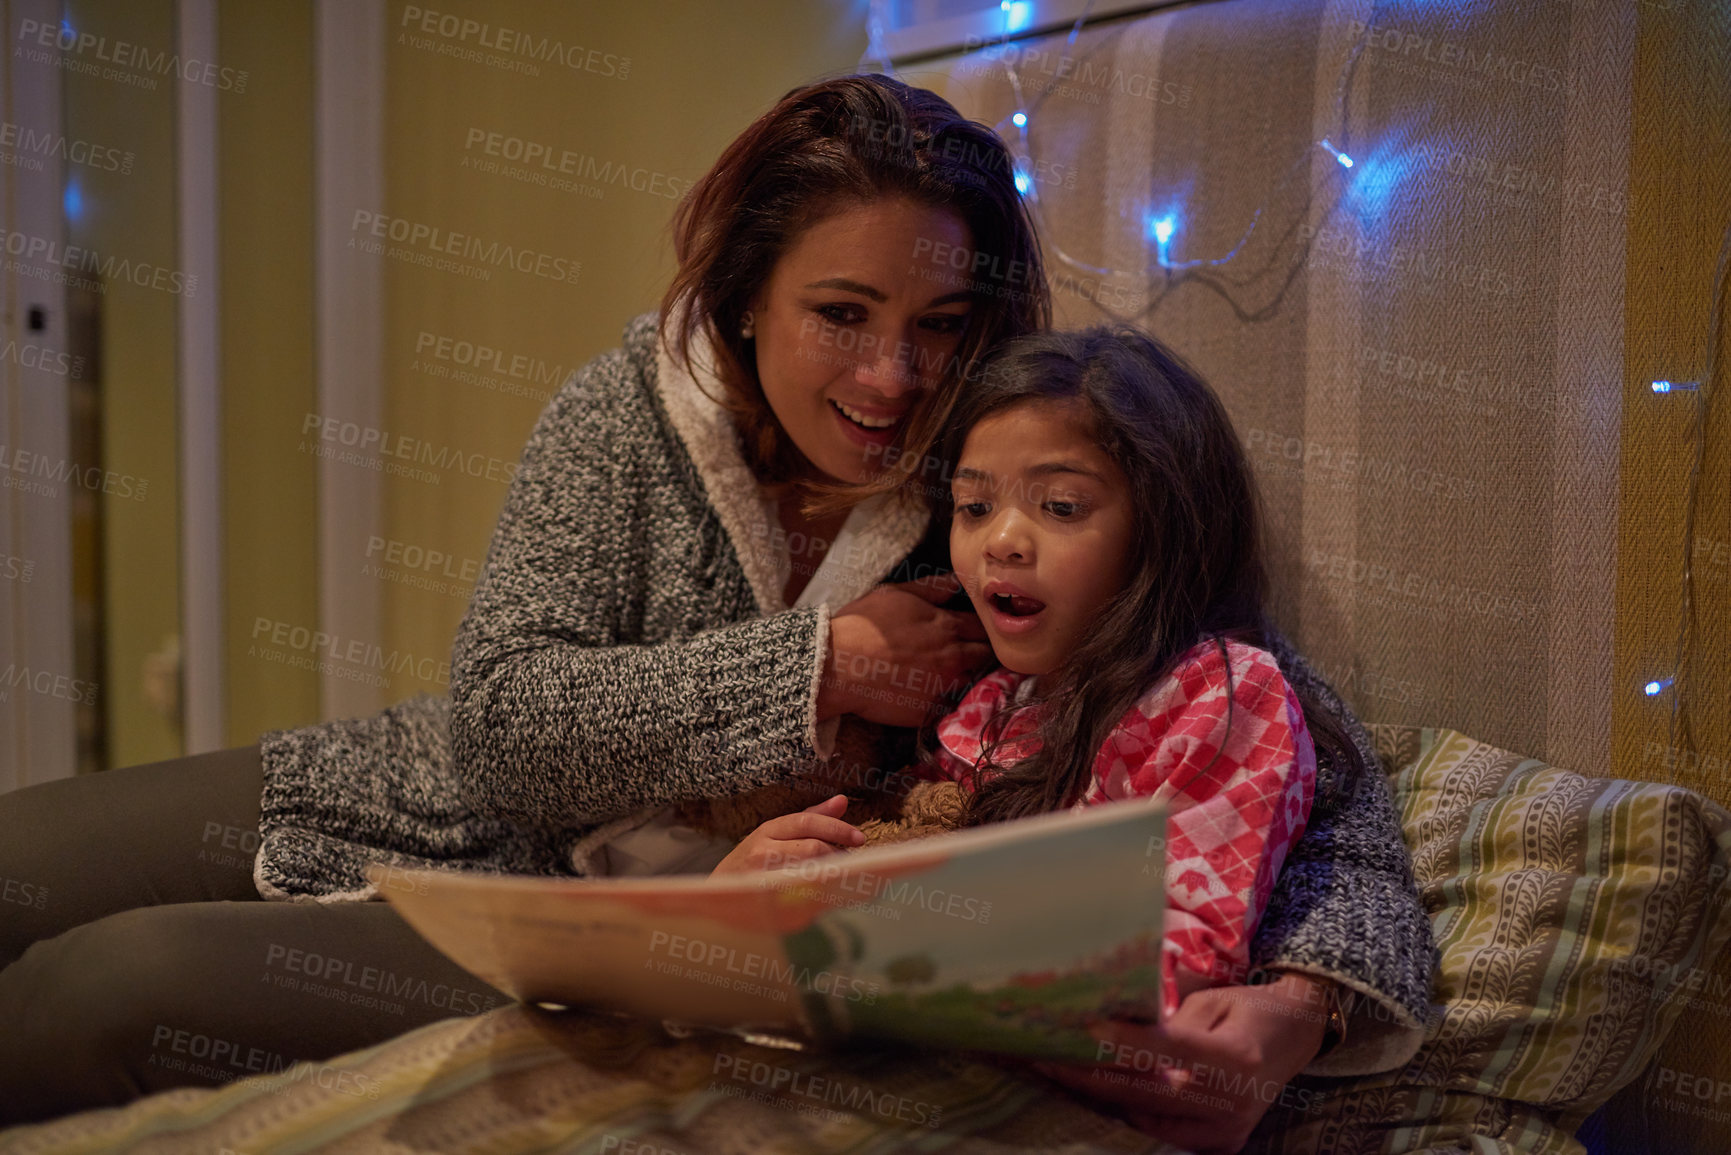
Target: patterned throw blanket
518,1079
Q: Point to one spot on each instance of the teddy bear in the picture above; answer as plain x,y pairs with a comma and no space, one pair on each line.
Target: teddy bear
912,807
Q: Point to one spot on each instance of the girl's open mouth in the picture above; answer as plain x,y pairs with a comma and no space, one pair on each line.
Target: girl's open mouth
1015,614
1015,606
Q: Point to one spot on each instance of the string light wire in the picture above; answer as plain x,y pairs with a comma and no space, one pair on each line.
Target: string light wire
1172,273
1704,391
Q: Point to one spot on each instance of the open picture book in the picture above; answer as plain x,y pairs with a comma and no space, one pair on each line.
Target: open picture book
1015,938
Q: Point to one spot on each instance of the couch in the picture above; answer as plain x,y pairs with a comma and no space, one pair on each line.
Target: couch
1580,919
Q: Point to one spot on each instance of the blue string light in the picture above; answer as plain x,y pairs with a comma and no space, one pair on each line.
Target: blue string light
1676,386
1161,229
1656,687
1018,14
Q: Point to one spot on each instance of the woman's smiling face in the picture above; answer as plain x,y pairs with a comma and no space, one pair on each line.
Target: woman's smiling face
1042,536
856,324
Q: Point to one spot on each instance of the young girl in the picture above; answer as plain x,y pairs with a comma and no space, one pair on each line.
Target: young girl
1105,527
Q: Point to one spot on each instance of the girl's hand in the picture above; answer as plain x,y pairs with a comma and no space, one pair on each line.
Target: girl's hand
1205,1078
811,833
895,652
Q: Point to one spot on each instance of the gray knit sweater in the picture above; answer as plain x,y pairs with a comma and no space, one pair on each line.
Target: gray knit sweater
626,647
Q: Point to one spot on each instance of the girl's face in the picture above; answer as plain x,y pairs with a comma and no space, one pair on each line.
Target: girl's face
858,320
1042,534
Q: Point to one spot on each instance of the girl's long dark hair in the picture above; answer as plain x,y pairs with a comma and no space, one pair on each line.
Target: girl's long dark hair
1196,560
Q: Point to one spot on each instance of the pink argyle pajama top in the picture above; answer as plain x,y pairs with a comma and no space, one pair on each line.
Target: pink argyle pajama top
1231,819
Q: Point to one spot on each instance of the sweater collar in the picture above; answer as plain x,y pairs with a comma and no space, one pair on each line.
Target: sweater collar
878,532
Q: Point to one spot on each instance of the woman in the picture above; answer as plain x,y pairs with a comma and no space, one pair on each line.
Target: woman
660,620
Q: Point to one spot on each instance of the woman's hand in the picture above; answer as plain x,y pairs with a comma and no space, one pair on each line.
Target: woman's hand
1205,1078
811,833
896,651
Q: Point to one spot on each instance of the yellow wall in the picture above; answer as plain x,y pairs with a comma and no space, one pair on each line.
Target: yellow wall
1680,192
131,216
695,79
270,495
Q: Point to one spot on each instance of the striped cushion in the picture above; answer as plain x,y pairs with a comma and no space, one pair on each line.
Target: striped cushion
1574,916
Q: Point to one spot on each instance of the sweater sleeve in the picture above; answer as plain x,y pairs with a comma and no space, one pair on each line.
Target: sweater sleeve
1346,907
566,709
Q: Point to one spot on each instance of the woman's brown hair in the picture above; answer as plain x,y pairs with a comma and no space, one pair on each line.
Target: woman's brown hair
851,139
1196,570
